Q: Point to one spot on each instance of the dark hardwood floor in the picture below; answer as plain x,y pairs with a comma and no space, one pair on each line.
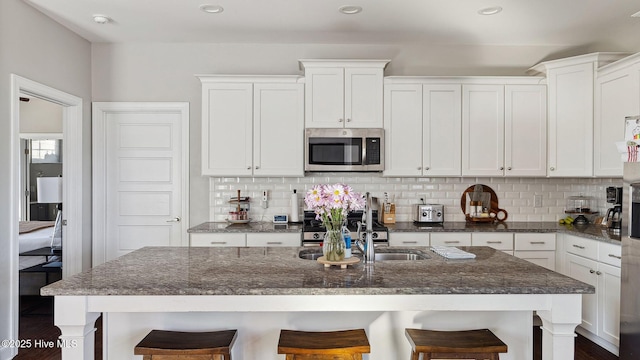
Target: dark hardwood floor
36,322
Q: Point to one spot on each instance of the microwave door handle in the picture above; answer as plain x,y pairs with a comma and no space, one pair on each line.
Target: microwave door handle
364,153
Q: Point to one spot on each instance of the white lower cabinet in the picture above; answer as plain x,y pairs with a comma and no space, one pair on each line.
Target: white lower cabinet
596,263
274,239
498,241
245,239
218,239
537,248
451,239
409,239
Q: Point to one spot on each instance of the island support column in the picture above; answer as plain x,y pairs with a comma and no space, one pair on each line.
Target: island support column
559,324
77,327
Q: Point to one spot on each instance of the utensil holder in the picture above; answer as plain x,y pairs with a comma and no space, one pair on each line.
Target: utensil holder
389,217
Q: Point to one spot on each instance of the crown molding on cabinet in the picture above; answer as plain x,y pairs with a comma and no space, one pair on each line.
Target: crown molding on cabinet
599,58
344,63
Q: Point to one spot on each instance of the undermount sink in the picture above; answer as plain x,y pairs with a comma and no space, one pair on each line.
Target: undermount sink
382,254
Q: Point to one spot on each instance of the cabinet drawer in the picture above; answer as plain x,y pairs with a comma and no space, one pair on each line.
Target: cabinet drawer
274,239
222,239
581,246
610,254
535,241
409,239
545,259
499,241
450,239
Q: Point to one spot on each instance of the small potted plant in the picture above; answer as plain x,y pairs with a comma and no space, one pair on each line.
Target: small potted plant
332,203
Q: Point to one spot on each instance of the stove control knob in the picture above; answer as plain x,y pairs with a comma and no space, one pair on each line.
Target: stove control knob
424,213
316,236
374,235
439,214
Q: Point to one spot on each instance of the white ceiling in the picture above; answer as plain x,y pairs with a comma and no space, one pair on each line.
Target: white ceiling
565,23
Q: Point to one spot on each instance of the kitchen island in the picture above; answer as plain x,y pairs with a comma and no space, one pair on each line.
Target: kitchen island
262,290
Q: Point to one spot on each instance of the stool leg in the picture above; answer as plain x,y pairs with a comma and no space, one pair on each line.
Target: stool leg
290,357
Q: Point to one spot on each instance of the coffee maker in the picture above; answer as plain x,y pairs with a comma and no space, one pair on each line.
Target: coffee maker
613,218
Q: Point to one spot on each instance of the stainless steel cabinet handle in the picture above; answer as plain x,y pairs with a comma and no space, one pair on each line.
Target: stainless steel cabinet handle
494,242
578,246
598,272
274,242
257,167
452,242
501,167
409,242
552,168
592,271
419,168
340,120
218,242
536,242
427,168
509,168
248,167
175,219
615,256
348,120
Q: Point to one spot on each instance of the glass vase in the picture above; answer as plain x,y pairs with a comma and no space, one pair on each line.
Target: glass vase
333,246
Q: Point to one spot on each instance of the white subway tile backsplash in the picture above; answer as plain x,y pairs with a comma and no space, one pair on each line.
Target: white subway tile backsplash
515,195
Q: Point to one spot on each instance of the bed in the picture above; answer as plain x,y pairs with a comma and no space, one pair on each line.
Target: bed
34,235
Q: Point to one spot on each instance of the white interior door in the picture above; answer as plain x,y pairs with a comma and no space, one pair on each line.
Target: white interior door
140,164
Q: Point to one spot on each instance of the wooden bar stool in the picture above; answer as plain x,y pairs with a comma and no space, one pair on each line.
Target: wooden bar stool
330,345
177,345
471,344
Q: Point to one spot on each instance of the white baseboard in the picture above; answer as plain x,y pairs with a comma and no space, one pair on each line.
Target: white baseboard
599,341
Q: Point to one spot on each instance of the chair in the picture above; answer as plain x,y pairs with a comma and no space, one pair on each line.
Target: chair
177,345
331,345
470,344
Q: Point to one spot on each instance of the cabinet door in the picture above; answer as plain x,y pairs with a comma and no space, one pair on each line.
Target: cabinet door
403,129
442,117
409,239
324,97
450,239
584,270
363,97
616,96
525,130
571,120
278,130
227,129
217,240
608,291
482,130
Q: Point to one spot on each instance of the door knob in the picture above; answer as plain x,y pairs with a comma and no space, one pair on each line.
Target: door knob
175,219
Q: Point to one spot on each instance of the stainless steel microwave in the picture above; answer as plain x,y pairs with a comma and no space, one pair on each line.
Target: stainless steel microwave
344,150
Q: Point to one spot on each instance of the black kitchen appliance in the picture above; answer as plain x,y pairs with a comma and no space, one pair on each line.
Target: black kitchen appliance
613,217
313,231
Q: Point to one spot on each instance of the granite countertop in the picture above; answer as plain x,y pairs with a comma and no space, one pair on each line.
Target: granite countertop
589,231
279,271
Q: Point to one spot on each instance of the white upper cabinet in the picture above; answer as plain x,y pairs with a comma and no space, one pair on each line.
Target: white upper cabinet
422,129
345,93
525,130
571,112
252,126
617,94
482,130
504,130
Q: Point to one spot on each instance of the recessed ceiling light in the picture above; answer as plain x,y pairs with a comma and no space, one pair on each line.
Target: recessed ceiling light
211,9
350,9
490,10
636,14
101,19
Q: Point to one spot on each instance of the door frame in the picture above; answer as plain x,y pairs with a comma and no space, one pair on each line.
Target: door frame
72,170
99,112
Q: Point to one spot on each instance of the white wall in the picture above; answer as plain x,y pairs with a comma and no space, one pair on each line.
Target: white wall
40,116
515,195
165,72
35,47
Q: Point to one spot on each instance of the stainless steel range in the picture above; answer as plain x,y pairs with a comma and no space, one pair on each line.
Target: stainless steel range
313,231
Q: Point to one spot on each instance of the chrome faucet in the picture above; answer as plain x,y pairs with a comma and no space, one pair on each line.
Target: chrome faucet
367,249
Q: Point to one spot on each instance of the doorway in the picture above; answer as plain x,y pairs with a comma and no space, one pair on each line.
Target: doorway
72,168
